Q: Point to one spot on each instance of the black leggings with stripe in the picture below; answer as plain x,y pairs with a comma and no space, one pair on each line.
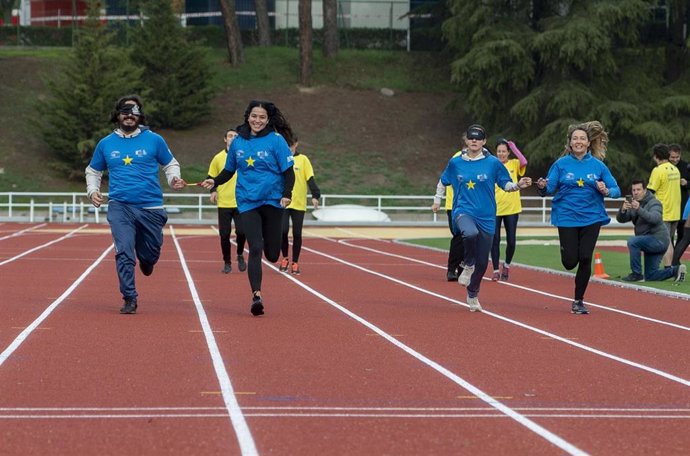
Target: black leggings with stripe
262,227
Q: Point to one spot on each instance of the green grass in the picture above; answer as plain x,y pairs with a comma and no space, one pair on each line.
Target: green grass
616,264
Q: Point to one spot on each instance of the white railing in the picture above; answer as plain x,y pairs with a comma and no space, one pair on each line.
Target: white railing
195,208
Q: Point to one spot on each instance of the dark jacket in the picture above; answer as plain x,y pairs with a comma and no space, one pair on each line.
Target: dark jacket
648,219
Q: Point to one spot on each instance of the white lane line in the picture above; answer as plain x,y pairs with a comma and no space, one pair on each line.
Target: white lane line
37,322
25,230
239,424
68,235
604,354
498,405
591,410
512,284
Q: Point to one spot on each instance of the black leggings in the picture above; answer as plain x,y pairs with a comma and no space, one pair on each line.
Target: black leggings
681,246
297,223
510,222
262,226
456,253
226,215
577,248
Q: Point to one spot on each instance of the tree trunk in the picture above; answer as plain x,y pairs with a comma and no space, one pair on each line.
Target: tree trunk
305,42
232,32
330,28
676,50
263,26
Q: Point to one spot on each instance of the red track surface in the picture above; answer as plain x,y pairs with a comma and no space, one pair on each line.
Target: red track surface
368,352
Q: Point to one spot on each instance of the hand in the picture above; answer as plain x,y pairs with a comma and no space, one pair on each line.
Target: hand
525,182
97,199
285,202
315,203
683,182
214,197
208,184
542,183
601,186
626,205
635,204
435,207
178,184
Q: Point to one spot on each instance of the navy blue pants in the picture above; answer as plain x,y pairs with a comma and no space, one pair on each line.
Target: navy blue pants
477,245
137,235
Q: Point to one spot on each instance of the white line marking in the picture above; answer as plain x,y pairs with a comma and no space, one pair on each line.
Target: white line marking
529,424
652,370
244,436
25,230
36,323
68,235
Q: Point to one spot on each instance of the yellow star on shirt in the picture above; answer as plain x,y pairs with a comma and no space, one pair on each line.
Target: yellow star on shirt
470,185
250,161
580,182
127,160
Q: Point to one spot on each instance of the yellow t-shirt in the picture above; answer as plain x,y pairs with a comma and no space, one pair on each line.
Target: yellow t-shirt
303,172
449,189
665,182
226,192
508,203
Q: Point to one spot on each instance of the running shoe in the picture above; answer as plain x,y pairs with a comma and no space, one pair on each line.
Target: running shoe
680,274
474,304
257,306
496,276
295,268
633,277
579,308
466,275
130,306
284,263
241,264
452,276
227,268
146,268
505,272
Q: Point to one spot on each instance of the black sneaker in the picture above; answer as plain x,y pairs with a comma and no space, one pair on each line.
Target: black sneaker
241,264
130,306
227,268
257,306
146,268
633,277
579,308
452,276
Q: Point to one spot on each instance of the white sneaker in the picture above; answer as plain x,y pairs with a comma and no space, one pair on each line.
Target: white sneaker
680,275
474,304
466,275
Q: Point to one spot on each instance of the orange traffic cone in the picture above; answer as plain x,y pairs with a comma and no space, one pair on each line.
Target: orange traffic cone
599,267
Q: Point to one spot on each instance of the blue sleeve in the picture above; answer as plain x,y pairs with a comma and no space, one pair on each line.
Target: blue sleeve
98,161
231,159
445,175
502,175
610,181
283,153
164,156
553,177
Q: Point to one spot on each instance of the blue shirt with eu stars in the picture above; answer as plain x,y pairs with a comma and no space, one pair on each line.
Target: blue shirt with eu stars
133,165
259,162
474,191
578,202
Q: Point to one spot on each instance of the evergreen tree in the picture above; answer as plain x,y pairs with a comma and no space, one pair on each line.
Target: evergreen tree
76,114
177,72
528,69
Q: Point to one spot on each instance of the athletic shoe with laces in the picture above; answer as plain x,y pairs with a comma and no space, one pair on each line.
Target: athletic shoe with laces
505,272
294,269
146,268
130,306
474,304
241,264
452,276
680,274
464,278
284,263
633,277
496,276
579,308
227,268
257,306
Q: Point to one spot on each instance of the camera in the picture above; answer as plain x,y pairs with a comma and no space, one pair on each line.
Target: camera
628,198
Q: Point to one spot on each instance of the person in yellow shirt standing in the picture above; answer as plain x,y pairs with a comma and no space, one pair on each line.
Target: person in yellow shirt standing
224,197
456,252
508,208
664,182
304,178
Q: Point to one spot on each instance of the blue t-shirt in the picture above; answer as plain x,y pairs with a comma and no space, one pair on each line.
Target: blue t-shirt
473,184
577,201
259,163
133,165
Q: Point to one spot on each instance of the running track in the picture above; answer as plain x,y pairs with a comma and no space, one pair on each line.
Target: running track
368,352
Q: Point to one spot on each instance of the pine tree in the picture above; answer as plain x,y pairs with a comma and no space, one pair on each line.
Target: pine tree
177,72
76,114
